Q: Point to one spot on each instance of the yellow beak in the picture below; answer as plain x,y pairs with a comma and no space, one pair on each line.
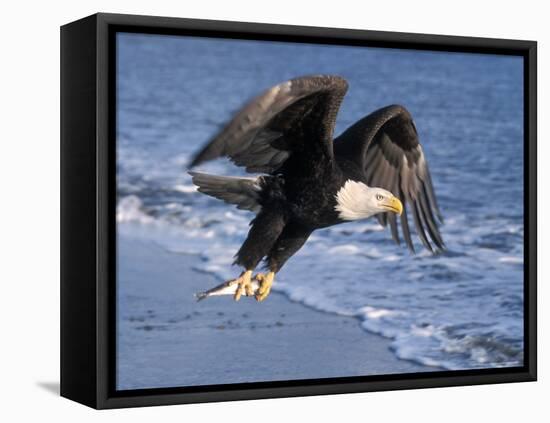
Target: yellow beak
394,205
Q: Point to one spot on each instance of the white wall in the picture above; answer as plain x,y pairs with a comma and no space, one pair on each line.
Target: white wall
29,156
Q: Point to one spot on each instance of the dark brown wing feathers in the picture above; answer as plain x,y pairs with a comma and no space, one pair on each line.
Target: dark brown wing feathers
387,145
278,123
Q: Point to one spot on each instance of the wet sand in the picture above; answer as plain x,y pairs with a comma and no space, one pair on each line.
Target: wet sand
168,339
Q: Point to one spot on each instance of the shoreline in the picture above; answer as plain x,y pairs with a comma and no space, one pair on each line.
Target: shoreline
168,339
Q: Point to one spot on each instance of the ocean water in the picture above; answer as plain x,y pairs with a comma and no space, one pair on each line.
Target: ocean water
459,310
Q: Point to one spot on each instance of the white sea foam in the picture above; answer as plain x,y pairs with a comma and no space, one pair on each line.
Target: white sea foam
516,260
130,209
376,313
344,249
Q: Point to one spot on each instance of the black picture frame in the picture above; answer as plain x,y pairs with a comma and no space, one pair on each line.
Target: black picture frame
88,205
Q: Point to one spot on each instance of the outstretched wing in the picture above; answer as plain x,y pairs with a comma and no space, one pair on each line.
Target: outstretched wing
295,118
387,147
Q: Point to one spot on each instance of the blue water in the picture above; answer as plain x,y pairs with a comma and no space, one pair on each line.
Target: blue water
459,310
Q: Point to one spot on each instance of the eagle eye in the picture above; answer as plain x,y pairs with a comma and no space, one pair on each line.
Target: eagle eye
379,197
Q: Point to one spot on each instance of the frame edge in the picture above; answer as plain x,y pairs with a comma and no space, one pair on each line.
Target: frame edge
78,238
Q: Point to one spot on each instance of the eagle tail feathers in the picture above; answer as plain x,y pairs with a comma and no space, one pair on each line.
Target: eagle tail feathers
241,191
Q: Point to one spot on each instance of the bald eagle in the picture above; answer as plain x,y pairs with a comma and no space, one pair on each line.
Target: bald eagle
309,181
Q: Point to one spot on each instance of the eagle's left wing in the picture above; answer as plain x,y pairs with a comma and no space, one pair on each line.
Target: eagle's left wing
386,145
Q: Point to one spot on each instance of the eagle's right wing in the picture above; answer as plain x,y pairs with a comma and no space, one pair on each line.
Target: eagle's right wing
295,118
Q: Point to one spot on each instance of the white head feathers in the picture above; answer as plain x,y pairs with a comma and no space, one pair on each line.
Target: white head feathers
355,200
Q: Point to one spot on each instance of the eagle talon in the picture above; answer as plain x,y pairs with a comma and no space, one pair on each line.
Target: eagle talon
243,285
265,285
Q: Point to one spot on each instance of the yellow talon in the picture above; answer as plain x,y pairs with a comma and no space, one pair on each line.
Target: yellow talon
244,285
265,285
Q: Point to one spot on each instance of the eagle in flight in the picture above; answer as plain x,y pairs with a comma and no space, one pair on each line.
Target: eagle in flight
308,180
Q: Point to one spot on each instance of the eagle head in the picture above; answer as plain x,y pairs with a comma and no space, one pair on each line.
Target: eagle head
355,201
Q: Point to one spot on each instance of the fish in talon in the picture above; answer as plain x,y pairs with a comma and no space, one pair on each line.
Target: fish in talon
228,288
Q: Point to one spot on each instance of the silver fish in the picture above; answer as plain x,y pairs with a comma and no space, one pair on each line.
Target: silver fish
226,288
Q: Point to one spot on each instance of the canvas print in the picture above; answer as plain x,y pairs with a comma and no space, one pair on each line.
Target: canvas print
292,211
